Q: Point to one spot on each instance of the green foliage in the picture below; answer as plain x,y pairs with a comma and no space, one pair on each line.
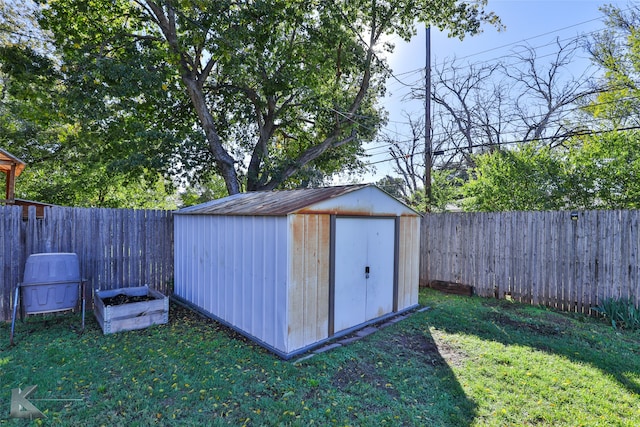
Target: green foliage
95,186
529,177
115,102
445,190
32,105
600,171
604,171
88,138
445,193
204,191
621,312
118,87
393,186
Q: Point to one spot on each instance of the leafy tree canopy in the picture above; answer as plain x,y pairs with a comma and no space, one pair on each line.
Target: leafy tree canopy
69,162
528,177
80,146
598,171
265,93
393,186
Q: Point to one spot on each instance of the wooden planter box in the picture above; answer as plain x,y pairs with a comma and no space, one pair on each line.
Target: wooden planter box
130,316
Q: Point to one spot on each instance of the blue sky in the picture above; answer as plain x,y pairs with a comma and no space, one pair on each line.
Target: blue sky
535,23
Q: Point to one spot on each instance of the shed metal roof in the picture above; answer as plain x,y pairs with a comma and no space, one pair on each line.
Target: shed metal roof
275,203
269,203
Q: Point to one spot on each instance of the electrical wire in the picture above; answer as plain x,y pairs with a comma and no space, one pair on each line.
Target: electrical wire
516,43
513,59
569,135
531,50
564,112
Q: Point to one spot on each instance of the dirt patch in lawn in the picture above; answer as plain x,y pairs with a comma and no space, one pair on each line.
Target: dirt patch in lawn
423,348
545,314
355,372
452,355
539,328
502,303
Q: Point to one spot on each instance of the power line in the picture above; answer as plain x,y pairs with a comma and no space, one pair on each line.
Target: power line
557,42
569,135
525,40
385,145
511,54
515,43
513,59
410,138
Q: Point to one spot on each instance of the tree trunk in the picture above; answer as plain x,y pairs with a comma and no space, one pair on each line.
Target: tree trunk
192,80
224,161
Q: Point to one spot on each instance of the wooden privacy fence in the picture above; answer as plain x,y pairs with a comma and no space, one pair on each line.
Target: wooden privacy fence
543,258
116,247
570,261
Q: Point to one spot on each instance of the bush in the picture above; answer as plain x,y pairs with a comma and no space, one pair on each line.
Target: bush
622,312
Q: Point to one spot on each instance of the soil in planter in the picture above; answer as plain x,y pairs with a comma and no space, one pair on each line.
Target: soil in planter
126,299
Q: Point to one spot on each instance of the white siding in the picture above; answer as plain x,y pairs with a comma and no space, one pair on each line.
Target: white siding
368,201
236,269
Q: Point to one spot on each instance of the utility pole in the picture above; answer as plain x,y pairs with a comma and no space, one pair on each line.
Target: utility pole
427,122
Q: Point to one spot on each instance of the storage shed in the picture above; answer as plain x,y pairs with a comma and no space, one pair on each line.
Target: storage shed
293,269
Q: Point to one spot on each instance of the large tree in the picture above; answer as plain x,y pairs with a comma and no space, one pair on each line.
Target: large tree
280,90
524,97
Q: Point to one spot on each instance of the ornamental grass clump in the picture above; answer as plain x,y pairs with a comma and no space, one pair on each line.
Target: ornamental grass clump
621,312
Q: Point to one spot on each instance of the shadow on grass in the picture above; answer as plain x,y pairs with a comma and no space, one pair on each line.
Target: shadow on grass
545,330
405,367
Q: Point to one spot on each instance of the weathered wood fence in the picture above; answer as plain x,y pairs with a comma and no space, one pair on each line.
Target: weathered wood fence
116,247
543,258
570,261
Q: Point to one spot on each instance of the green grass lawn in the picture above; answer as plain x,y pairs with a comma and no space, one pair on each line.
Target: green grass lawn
465,362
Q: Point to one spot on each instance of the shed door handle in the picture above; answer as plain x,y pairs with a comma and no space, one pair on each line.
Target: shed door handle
366,272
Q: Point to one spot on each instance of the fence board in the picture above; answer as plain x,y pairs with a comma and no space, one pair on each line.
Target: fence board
10,257
502,278
610,239
539,257
546,259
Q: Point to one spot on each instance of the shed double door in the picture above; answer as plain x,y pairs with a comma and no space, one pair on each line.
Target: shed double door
364,270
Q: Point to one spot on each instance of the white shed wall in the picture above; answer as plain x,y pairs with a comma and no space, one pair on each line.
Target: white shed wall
366,201
235,267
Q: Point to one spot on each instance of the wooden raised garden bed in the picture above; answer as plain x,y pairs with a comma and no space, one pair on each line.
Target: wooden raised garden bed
126,309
